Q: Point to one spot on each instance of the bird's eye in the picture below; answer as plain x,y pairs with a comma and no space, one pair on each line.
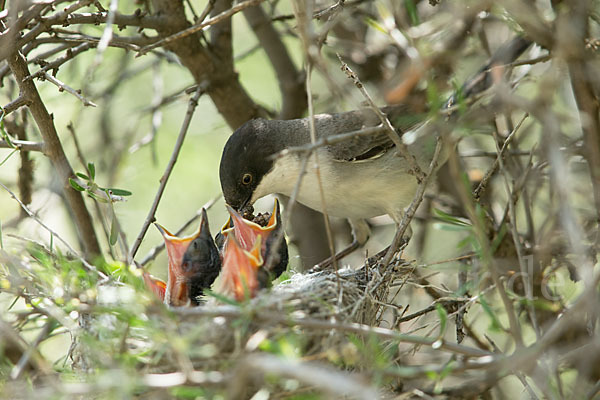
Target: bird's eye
247,179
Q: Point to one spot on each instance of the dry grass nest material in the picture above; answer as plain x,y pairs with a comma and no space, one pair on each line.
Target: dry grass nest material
295,306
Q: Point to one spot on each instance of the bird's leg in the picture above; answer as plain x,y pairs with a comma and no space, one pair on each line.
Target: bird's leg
360,234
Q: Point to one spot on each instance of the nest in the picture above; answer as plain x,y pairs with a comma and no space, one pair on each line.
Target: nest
304,305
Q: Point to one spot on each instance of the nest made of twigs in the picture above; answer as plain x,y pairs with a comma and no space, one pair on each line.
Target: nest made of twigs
217,332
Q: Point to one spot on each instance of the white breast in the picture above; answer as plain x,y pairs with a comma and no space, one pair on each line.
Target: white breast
351,189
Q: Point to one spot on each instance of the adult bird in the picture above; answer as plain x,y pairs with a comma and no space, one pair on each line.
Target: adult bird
194,264
361,178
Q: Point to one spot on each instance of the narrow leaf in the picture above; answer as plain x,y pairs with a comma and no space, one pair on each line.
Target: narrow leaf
120,192
443,315
76,185
92,170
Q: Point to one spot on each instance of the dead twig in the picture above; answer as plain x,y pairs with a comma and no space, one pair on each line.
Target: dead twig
64,87
164,179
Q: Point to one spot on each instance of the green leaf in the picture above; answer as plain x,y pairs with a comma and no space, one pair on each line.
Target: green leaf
82,176
92,170
449,218
8,156
375,25
495,323
76,185
120,192
114,231
411,10
443,315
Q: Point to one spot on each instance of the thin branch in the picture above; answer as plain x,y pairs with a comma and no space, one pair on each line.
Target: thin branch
15,105
197,28
55,153
69,55
337,384
412,208
394,136
486,257
329,140
163,180
45,23
312,323
32,350
53,233
64,87
24,145
499,154
305,30
138,18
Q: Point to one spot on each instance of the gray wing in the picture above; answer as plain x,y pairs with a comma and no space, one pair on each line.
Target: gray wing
363,147
296,132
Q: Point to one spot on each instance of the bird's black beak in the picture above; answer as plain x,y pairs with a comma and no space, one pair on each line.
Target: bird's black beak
246,209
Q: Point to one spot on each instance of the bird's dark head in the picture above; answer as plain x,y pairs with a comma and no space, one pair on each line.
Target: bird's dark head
246,160
194,264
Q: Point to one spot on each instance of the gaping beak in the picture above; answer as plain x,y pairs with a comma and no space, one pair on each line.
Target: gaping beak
247,231
240,269
178,289
156,286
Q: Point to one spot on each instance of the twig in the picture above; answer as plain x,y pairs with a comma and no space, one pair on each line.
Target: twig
11,337
361,329
412,208
45,23
322,12
56,154
69,55
32,348
499,154
106,38
486,257
53,233
121,20
304,35
173,379
24,145
334,382
64,87
329,140
512,202
84,164
15,105
196,28
394,137
163,180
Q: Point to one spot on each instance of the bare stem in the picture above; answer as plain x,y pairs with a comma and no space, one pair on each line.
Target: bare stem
163,180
